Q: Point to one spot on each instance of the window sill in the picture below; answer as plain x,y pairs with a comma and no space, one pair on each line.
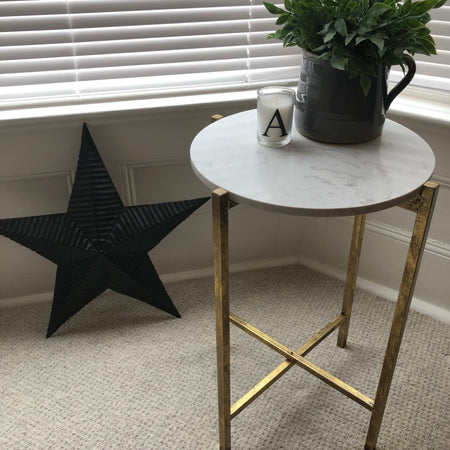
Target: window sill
105,109
426,105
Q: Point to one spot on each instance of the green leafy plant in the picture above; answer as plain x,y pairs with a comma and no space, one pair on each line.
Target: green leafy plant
357,35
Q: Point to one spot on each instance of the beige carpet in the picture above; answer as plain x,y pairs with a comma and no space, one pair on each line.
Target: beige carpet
123,375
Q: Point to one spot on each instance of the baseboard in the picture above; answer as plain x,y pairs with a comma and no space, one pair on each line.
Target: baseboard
370,286
417,304
168,278
234,268
26,300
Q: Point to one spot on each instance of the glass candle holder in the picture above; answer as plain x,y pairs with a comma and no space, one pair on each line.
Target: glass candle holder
275,108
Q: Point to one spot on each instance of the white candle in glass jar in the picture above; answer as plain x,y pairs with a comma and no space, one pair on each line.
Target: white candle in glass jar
275,107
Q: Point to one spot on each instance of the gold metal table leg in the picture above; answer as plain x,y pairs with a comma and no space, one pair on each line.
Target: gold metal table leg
220,205
423,205
352,273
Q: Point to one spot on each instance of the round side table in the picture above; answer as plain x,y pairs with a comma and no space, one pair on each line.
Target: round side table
313,179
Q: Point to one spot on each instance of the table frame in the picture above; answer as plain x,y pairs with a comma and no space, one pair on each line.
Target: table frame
422,204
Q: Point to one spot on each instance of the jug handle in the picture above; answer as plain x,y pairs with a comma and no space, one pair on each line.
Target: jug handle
409,61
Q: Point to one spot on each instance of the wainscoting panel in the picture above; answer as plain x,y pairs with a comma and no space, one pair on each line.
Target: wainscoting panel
22,271
36,150
43,194
164,180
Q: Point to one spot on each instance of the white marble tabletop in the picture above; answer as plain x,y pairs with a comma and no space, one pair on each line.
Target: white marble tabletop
308,177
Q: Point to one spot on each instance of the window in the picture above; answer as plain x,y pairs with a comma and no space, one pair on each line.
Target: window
75,51
84,49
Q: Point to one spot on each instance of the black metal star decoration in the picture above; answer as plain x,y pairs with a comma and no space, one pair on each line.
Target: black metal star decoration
99,243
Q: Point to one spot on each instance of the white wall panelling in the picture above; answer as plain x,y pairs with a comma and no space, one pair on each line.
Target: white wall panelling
164,180
23,272
147,155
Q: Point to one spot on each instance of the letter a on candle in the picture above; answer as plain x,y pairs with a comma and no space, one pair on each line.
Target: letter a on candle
276,115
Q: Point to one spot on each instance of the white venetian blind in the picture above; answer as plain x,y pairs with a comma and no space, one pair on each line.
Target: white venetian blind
70,51
82,49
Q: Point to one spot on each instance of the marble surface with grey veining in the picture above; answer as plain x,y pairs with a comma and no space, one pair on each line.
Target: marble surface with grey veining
308,177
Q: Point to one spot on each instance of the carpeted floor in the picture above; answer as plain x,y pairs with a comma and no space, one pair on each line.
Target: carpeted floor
123,375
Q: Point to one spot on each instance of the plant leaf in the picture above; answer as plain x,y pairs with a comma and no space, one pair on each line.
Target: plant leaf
319,50
341,27
377,41
338,62
273,9
360,39
423,6
325,29
282,19
330,35
325,55
406,7
439,4
429,47
349,38
365,83
288,5
377,9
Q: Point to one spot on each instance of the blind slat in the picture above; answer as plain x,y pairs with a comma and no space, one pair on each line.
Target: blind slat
442,42
32,23
89,6
36,38
438,70
205,55
166,17
36,78
170,43
442,13
150,31
442,57
439,28
13,52
31,7
163,83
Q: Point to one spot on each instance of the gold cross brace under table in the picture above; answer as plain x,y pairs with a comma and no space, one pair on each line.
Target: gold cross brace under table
422,204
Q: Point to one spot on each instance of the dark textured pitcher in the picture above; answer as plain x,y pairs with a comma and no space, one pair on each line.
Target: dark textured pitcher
330,107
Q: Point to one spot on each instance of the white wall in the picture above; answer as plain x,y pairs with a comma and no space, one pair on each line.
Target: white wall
147,155
325,242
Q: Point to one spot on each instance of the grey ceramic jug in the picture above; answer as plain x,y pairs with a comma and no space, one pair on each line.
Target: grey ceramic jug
330,107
